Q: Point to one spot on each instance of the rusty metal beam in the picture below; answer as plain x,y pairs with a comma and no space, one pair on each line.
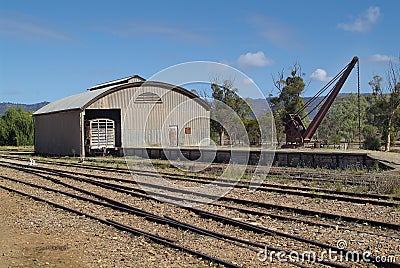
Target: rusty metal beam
327,104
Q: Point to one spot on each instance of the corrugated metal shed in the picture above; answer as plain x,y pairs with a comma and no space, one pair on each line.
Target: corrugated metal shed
147,113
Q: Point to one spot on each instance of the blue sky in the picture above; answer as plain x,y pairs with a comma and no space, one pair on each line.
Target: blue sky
52,49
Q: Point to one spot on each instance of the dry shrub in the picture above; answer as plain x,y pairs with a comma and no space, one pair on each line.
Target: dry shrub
387,185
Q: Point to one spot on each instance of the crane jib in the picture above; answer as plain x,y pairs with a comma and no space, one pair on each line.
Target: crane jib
296,133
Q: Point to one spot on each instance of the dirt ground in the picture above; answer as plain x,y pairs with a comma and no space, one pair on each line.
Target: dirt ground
34,234
22,247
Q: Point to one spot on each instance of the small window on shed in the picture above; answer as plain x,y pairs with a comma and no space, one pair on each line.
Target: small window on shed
188,130
148,97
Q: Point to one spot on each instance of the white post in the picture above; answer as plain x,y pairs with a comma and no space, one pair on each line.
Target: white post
82,132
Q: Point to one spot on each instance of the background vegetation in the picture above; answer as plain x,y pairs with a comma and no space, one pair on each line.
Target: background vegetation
373,119
379,114
16,127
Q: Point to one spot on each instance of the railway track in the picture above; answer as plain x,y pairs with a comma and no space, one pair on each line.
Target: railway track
116,205
243,208
356,179
119,188
153,237
172,222
115,188
314,192
244,183
170,191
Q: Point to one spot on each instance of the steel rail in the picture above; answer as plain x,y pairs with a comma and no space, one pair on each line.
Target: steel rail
205,179
143,194
128,171
156,238
227,199
266,230
293,190
167,220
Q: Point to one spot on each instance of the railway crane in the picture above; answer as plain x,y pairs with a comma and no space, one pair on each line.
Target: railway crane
296,132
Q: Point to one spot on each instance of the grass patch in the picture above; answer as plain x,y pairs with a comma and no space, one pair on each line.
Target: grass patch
361,189
387,185
396,191
325,184
17,148
339,187
314,183
285,181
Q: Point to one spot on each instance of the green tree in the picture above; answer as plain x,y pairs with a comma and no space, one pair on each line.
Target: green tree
253,130
371,139
335,138
385,109
278,113
342,119
226,98
3,132
289,100
17,127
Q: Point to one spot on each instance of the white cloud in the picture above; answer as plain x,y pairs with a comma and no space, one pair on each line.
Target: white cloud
382,58
363,22
132,28
277,32
258,59
27,27
320,75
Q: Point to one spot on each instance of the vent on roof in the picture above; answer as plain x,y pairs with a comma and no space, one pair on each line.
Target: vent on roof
148,97
130,79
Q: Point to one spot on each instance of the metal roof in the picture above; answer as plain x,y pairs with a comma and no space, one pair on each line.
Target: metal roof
82,100
133,78
73,102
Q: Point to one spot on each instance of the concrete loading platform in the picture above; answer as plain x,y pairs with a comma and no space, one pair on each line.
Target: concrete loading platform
359,159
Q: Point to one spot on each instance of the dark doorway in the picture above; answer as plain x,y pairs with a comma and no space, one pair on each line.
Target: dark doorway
113,114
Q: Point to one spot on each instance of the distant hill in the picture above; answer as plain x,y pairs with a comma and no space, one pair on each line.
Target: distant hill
27,107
